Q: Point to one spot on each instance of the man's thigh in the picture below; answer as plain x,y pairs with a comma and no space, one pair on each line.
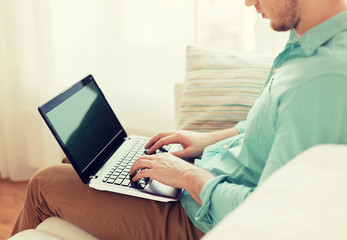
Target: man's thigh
109,215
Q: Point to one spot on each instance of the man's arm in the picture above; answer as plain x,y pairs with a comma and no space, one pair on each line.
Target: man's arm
307,115
217,196
193,143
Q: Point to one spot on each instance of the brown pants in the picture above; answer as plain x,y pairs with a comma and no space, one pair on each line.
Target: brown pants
57,191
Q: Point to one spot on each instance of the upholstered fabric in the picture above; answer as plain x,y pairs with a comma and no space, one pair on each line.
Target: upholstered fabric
304,200
54,228
220,87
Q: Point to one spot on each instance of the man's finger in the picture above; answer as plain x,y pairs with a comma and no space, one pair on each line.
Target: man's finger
157,137
140,164
163,141
143,173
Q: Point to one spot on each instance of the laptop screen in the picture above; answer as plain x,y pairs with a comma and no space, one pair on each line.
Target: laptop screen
85,124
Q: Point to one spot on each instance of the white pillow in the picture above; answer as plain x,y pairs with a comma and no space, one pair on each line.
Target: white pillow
220,87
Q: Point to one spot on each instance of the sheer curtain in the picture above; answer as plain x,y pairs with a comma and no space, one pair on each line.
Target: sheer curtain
25,74
229,25
135,49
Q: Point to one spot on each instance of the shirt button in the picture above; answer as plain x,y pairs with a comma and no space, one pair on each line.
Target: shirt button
225,146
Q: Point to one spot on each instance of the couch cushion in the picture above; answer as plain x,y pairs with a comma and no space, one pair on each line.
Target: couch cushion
305,199
54,228
33,234
220,87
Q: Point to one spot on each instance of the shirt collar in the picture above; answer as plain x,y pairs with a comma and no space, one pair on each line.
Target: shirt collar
317,36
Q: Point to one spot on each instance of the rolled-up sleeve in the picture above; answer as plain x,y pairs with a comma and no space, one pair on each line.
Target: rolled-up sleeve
241,126
219,197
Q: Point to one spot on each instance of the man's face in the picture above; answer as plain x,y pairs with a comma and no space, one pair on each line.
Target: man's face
283,14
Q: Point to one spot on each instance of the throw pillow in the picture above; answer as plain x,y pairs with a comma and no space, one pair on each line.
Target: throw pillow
220,87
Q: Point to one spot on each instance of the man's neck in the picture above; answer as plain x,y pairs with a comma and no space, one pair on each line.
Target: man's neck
315,12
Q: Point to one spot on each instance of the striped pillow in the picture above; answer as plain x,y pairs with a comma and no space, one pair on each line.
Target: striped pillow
220,88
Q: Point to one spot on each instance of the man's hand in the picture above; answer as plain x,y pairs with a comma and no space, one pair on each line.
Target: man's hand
163,167
193,143
172,171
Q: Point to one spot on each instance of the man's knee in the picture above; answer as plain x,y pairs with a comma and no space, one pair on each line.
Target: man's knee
47,175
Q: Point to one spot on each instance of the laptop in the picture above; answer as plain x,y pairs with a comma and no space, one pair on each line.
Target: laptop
97,145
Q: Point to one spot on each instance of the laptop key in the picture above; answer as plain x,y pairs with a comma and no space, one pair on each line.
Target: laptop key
118,181
105,179
126,182
110,181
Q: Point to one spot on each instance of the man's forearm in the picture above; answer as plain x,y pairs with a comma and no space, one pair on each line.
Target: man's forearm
195,179
223,134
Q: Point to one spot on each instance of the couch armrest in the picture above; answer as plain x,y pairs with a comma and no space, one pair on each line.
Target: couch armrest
305,199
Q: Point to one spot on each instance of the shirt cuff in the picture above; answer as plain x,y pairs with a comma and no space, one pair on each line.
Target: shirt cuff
203,213
241,127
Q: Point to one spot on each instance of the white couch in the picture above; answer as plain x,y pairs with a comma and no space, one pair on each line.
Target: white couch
305,199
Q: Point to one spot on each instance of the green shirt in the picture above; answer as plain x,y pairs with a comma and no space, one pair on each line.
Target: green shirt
303,103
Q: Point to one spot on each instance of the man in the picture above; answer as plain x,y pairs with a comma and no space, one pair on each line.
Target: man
303,104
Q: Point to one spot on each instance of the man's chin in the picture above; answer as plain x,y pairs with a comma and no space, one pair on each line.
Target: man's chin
280,28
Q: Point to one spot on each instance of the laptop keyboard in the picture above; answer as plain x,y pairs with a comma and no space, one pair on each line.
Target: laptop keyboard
119,173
